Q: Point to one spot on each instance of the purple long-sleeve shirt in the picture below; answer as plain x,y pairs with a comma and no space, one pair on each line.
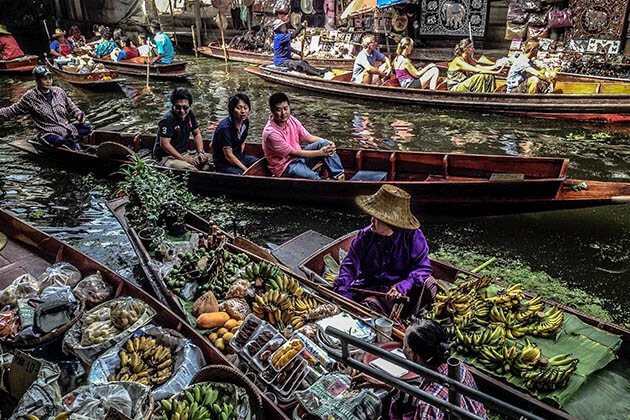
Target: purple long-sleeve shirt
378,262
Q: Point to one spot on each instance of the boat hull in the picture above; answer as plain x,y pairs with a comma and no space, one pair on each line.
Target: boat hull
605,108
24,64
136,67
88,80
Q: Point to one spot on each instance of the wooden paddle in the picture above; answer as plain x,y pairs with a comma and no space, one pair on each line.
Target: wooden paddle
375,293
303,41
194,39
147,88
220,23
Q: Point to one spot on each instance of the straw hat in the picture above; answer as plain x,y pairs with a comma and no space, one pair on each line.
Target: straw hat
296,18
399,22
390,204
3,240
4,30
221,21
58,33
277,24
306,6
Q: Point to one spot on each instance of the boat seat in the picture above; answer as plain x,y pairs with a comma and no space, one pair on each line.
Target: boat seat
278,68
370,176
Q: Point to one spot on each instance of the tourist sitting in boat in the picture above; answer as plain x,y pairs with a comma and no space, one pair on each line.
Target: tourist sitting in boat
425,343
75,37
282,50
60,46
281,144
144,49
50,108
9,48
410,77
163,45
389,257
465,74
229,137
523,77
174,130
370,64
106,46
128,48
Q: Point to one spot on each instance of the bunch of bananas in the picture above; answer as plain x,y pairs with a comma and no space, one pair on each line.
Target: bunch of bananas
551,322
453,303
476,341
144,361
527,310
274,306
302,310
556,375
287,285
260,273
527,358
513,328
509,297
201,402
499,359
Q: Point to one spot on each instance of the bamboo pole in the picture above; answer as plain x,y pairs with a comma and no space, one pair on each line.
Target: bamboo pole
46,29
147,88
220,23
303,41
170,5
194,39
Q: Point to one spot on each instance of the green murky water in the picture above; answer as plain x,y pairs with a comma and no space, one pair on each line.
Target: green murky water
586,250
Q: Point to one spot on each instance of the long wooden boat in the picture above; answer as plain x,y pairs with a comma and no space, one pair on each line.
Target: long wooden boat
24,64
102,80
580,101
444,183
138,67
313,267
215,50
30,250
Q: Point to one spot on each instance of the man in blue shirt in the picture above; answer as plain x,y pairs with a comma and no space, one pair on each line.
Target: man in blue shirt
163,44
282,50
370,62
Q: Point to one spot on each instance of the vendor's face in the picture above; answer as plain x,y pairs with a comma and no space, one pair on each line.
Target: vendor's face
44,83
241,112
372,45
281,112
181,108
381,228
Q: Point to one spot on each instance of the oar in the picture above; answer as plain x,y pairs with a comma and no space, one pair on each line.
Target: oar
194,39
46,28
303,41
147,88
220,23
375,293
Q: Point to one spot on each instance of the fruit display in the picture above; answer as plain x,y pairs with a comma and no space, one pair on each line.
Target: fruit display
260,273
110,319
222,337
489,325
126,313
145,361
246,331
273,305
199,402
263,356
287,285
286,353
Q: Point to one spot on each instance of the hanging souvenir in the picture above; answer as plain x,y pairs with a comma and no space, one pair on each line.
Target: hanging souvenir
516,13
515,30
560,18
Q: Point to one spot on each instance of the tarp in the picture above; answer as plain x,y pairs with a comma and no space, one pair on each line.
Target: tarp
389,3
357,7
116,11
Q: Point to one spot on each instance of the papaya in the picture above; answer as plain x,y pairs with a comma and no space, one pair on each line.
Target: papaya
212,319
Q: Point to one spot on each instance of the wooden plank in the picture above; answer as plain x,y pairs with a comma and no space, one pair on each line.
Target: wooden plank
293,252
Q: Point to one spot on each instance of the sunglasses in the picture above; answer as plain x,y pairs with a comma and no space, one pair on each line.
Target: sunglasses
180,107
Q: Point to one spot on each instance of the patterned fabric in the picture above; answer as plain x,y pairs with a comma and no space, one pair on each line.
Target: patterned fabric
406,408
48,117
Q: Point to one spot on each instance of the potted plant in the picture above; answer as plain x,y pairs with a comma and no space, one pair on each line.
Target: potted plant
172,216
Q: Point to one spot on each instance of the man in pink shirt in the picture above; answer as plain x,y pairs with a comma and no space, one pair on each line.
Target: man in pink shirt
281,144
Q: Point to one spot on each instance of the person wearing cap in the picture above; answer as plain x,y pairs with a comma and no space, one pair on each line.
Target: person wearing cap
390,255
163,44
50,108
282,50
106,46
174,130
60,46
281,140
370,64
9,48
426,344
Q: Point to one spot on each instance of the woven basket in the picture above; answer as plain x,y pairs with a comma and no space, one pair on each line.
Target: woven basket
228,374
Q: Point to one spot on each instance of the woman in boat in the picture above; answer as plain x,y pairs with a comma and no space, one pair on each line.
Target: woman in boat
410,77
60,46
425,344
389,257
76,37
106,46
228,141
523,77
127,46
465,74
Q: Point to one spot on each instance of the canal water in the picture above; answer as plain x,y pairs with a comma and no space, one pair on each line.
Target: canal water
586,250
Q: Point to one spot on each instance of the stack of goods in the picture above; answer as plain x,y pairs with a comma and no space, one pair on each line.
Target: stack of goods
83,65
33,309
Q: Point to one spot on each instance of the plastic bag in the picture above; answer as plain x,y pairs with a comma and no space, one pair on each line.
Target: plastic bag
560,18
25,286
515,30
92,290
9,322
516,13
239,289
237,308
126,312
188,361
87,353
92,401
60,274
43,397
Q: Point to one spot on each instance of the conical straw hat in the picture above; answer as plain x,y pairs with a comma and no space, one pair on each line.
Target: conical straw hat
390,204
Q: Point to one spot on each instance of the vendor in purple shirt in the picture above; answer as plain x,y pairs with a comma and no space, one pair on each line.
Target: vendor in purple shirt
391,256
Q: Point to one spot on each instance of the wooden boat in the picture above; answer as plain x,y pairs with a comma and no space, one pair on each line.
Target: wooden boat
444,183
252,57
138,67
24,64
313,267
101,80
30,251
579,101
